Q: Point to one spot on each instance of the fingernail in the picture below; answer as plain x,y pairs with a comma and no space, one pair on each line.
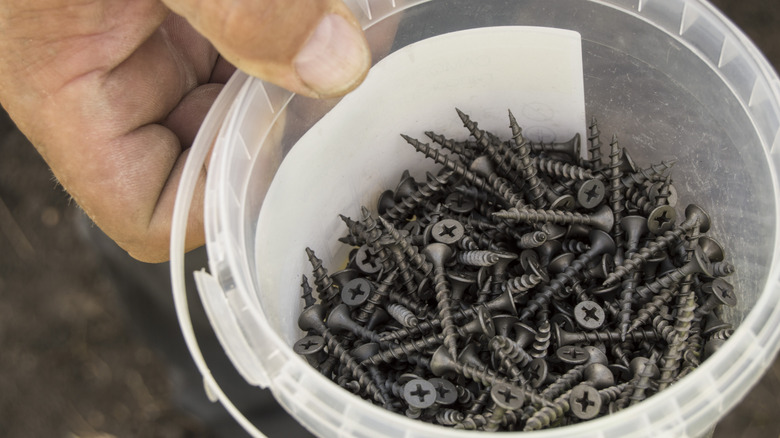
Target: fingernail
335,58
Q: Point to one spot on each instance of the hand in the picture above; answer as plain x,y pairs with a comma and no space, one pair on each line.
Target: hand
112,92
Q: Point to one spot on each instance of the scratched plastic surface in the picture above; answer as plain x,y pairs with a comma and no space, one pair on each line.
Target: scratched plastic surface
671,78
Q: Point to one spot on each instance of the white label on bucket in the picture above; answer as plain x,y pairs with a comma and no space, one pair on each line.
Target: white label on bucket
355,151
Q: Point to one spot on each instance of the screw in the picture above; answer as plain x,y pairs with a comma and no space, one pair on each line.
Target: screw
585,402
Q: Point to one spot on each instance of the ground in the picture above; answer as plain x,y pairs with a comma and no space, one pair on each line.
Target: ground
71,366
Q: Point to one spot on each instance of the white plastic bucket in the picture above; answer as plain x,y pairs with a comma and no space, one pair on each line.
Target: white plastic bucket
671,77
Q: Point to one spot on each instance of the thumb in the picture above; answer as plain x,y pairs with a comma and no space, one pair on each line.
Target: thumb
311,47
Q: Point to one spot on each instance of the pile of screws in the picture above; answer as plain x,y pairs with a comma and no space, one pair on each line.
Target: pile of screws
521,287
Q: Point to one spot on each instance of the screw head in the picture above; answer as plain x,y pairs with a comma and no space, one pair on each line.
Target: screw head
356,291
459,203
565,202
589,315
712,248
724,292
536,372
572,354
366,262
446,392
309,345
419,393
508,397
447,231
584,402
591,193
661,219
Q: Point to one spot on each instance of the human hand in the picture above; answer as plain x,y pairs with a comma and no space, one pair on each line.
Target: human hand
112,92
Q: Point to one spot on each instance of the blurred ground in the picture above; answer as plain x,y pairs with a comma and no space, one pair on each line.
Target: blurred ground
71,366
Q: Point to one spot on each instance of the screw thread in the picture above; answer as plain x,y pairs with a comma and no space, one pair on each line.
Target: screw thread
325,286
308,299
682,327
594,146
624,397
449,417
465,149
626,300
509,356
481,136
642,383
541,340
527,168
444,309
632,264
616,190
561,169
402,351
548,414
457,168
531,240
565,382
651,173
722,269
534,216
556,285
472,422
375,299
520,284
651,308
433,186
401,314
410,302
477,258
641,203
352,366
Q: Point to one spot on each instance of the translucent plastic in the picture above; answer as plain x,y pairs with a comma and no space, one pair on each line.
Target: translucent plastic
670,77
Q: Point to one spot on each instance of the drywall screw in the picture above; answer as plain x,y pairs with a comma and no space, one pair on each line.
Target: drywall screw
560,169
572,354
457,168
589,315
308,299
405,206
712,248
447,231
406,186
449,417
401,314
376,298
548,414
502,303
719,291
340,320
634,227
312,348
626,301
506,398
648,371
585,401
325,288
651,308
651,173
523,283
594,146
616,190
569,148
477,258
541,340
601,243
312,319
532,240
565,337
574,246
722,269
356,291
509,356
364,351
536,187
602,219
683,321
415,259
697,265
418,394
438,254
442,363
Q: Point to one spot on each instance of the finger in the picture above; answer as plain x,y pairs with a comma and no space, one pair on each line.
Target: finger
311,47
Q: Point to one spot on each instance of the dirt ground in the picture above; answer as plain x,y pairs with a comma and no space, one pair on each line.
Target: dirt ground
71,365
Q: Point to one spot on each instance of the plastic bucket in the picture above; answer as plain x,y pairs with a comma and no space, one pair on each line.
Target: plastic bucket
670,77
